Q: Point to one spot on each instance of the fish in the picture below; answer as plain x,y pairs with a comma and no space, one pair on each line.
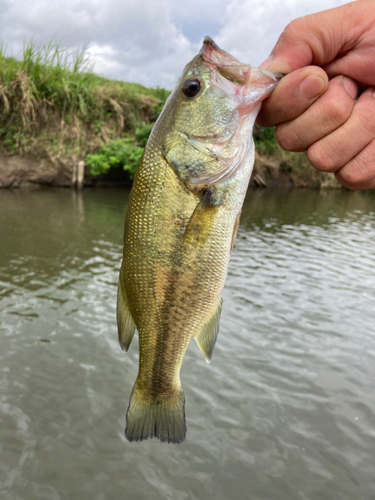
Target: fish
180,225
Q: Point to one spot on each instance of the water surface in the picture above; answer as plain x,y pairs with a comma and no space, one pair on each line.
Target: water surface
286,409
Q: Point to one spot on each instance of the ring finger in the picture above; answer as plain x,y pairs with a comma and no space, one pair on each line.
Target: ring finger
343,144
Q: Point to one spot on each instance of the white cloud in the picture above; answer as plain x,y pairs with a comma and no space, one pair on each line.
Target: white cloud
253,26
150,41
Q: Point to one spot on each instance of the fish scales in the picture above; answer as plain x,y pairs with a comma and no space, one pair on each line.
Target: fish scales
180,225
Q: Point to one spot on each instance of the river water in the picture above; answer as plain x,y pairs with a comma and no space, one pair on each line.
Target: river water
286,409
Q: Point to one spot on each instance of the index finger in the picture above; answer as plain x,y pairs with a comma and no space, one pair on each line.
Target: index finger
299,90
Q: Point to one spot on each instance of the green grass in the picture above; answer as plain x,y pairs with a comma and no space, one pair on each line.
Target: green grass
52,104
265,141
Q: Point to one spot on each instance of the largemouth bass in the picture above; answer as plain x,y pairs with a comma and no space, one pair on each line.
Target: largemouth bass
180,226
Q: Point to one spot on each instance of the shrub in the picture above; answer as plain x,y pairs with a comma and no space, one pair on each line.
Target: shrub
265,140
125,152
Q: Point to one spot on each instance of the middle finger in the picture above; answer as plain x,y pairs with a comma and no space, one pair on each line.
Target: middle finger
324,116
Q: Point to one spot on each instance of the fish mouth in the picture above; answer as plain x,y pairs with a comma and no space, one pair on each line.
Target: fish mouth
230,67
233,69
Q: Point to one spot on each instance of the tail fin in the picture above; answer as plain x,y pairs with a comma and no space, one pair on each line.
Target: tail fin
160,418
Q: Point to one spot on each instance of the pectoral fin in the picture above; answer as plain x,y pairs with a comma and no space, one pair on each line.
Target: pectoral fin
190,159
206,338
203,150
125,322
199,227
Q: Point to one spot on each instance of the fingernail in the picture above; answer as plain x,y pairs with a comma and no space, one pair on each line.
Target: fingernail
312,86
267,62
350,86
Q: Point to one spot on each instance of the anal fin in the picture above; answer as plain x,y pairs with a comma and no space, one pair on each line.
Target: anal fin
206,338
125,322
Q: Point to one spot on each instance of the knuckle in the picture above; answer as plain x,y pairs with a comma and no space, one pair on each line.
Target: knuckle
366,116
359,173
287,138
321,159
349,178
294,28
338,111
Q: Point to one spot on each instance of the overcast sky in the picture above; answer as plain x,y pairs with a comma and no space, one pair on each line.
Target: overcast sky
150,41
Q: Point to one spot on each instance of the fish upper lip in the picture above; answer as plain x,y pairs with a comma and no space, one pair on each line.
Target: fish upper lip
209,41
229,66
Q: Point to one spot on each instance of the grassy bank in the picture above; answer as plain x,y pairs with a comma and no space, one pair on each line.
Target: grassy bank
52,106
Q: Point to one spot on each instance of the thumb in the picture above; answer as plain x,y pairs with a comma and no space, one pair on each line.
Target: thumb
318,38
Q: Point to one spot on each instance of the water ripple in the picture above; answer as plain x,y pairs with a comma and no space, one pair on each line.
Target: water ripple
286,409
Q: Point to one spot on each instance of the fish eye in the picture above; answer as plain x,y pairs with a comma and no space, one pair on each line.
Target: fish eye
191,87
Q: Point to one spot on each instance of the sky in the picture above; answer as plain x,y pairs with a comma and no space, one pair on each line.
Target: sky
150,41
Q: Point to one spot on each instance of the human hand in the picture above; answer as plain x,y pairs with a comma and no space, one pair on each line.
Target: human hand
314,107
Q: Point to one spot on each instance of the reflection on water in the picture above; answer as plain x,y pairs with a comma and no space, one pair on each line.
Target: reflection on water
285,411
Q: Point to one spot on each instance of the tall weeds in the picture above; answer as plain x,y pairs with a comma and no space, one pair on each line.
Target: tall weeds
50,99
